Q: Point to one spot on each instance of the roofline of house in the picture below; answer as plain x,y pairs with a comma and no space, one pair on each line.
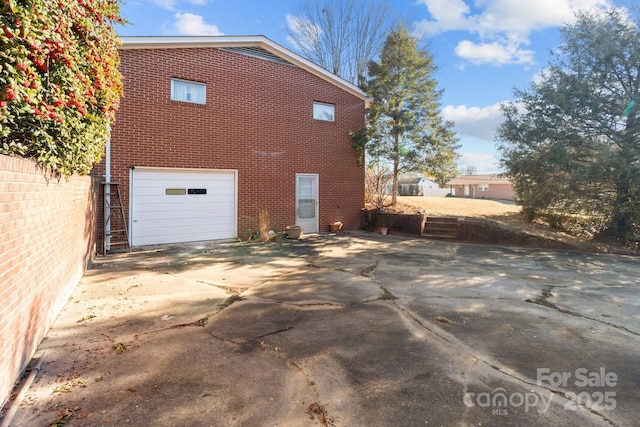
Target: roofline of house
479,179
177,42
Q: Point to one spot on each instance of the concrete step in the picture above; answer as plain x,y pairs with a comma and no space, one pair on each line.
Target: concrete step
449,237
441,228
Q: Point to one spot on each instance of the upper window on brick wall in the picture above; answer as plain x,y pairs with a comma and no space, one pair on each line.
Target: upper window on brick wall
325,112
483,187
187,91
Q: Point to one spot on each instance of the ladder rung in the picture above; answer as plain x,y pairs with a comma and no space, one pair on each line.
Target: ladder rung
116,207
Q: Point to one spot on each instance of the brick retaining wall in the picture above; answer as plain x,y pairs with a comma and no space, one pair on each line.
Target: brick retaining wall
47,235
488,232
405,224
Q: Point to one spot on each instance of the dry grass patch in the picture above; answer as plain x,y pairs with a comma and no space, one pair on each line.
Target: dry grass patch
504,212
461,207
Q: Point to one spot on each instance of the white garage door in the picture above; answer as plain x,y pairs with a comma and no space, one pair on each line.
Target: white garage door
182,205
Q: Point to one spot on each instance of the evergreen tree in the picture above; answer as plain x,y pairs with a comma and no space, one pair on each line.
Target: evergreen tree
404,123
571,142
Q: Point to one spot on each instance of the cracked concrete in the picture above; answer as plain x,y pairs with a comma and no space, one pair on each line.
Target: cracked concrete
354,329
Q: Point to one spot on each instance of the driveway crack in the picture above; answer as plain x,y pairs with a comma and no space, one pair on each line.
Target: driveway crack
547,292
409,316
315,409
273,333
368,271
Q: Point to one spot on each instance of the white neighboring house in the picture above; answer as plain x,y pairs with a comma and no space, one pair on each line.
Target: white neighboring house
419,186
431,188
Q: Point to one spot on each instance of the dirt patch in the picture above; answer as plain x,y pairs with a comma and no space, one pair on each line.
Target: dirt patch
316,410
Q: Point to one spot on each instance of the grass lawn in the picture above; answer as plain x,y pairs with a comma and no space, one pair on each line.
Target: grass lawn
461,207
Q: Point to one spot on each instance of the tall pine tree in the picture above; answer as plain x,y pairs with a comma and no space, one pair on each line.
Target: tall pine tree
405,128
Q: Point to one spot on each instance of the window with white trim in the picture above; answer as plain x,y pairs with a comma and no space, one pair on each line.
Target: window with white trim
188,91
324,112
483,187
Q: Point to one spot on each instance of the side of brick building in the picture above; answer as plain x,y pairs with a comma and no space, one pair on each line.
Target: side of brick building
257,122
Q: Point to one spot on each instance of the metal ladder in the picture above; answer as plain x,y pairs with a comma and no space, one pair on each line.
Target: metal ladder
120,236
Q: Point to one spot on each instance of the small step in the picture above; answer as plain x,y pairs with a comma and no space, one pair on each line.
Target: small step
442,219
439,236
441,228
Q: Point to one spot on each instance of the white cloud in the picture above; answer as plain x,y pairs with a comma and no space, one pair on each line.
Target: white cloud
476,127
503,26
447,15
493,53
165,4
475,122
502,16
540,76
482,162
188,24
171,4
525,15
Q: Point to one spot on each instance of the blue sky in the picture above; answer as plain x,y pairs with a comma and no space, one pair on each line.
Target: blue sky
483,48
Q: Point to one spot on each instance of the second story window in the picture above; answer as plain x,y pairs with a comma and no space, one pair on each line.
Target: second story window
188,91
324,112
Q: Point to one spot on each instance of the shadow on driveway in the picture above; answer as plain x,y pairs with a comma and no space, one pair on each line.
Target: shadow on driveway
354,329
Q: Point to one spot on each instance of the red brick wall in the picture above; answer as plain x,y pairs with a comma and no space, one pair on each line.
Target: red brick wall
46,239
496,191
257,120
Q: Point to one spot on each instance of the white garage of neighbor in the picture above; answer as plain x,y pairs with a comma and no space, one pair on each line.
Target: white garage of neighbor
182,205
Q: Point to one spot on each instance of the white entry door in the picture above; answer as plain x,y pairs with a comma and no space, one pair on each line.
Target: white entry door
307,202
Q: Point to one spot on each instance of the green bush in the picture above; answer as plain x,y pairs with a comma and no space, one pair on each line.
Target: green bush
59,80
585,226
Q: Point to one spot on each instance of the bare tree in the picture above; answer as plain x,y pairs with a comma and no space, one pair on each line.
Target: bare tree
377,184
469,170
341,35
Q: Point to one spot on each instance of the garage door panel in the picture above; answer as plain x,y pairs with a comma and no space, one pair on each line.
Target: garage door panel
161,180
176,238
163,199
177,235
169,228
209,207
159,218
217,188
176,221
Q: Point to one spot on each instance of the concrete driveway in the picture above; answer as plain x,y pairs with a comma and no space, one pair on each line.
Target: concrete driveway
354,329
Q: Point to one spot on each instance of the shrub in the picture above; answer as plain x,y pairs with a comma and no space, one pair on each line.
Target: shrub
59,80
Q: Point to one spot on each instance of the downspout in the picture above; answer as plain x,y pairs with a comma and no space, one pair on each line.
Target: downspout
13,408
107,192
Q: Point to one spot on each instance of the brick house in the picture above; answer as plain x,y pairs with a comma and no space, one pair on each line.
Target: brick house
487,186
216,134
